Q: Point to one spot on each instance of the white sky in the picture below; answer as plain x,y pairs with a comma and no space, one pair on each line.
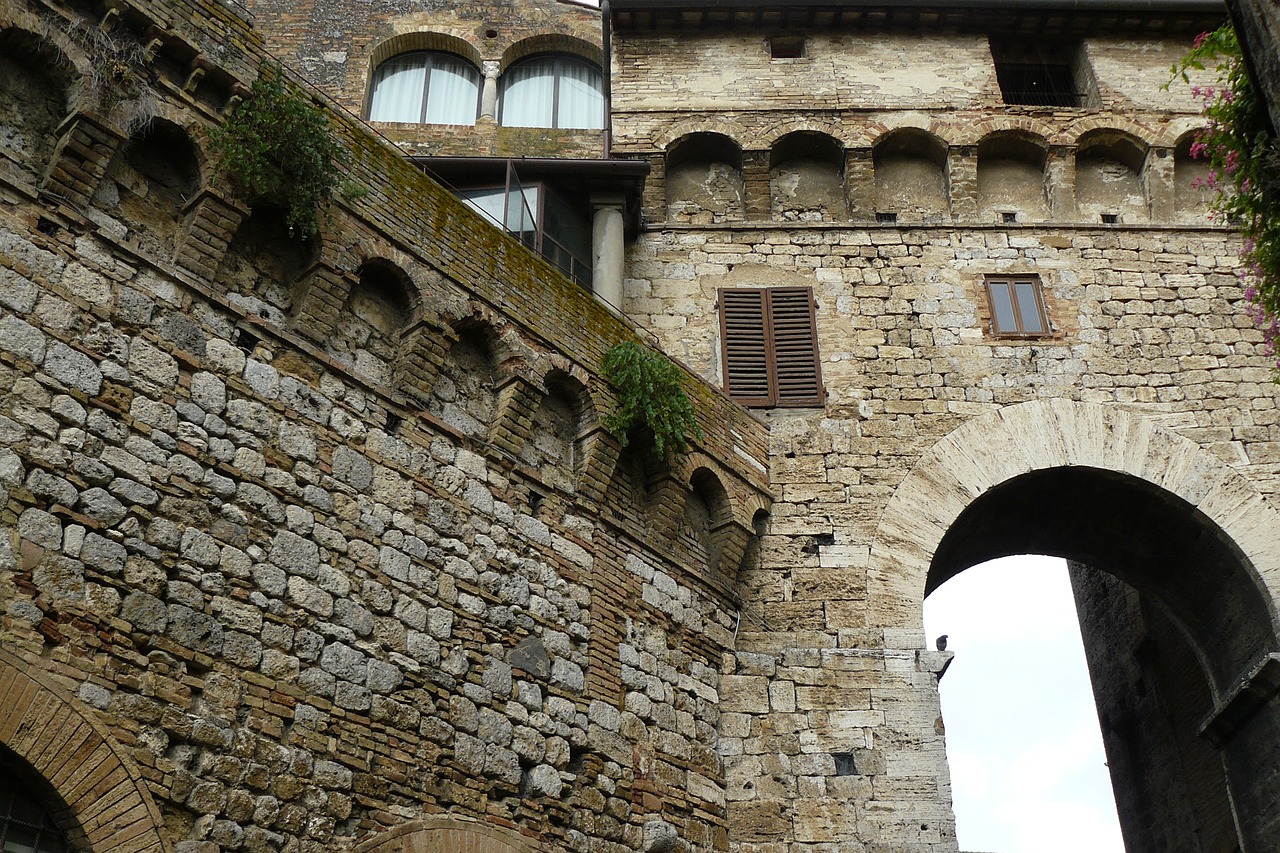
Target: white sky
1028,772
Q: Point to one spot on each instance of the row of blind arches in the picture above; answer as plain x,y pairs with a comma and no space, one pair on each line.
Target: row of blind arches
144,190
909,175
555,90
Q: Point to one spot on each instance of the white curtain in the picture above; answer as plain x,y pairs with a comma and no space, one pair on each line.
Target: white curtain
397,89
450,85
581,100
528,94
453,93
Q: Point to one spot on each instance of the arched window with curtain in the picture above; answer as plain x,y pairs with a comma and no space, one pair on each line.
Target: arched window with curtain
553,90
426,87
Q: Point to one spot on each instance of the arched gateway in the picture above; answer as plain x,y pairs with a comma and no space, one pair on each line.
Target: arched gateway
1112,490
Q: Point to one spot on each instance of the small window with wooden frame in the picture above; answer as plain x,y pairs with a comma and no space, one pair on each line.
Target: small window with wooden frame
769,343
1017,308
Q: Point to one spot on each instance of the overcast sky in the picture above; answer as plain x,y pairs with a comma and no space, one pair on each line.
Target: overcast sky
1028,771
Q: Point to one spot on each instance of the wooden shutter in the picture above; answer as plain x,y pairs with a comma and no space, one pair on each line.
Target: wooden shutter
744,342
769,346
797,367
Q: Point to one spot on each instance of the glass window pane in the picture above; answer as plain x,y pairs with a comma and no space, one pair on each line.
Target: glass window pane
398,89
581,98
522,214
1028,310
1002,308
487,203
566,226
528,94
453,92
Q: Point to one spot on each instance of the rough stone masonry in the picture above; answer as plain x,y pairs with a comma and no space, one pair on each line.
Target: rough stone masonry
322,547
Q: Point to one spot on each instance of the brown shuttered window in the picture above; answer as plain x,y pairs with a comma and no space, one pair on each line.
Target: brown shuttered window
770,346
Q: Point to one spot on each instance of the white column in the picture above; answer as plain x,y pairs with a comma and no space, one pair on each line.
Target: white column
608,255
489,94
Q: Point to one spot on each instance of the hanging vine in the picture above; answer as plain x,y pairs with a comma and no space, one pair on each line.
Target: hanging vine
277,147
650,393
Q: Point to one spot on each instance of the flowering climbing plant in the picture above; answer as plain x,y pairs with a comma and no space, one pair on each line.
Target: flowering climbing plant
1244,170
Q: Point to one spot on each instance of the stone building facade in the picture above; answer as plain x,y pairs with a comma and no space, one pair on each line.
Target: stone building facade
322,546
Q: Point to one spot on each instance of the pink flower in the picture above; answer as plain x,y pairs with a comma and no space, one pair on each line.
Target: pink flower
1200,39
1199,150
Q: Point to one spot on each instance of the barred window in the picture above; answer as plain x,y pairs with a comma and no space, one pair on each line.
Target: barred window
24,825
1043,75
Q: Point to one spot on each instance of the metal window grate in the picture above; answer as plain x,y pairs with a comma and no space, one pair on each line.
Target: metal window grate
24,825
1043,74
1039,84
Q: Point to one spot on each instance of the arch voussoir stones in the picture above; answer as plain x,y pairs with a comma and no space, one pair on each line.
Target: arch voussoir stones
518,399
96,780
209,222
1039,435
448,835
601,451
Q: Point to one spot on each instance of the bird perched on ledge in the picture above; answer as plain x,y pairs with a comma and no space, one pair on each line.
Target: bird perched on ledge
941,643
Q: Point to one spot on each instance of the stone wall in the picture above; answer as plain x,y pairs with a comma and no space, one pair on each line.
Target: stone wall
1169,783
832,728
320,546
304,544
338,46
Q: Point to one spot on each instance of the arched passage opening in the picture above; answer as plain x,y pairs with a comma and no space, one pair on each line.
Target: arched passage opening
1111,177
704,180
1191,193
1193,538
1170,617
1023,742
806,178
1011,178
911,175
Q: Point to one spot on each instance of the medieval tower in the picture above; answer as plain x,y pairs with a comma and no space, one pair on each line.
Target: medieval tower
318,542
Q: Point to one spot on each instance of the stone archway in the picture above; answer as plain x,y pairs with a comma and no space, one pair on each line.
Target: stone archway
79,760
448,834
1112,490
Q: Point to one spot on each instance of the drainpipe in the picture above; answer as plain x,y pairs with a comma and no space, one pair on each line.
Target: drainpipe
608,249
606,69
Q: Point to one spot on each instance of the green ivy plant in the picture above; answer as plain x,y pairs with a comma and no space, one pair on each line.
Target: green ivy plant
1244,170
277,147
650,394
